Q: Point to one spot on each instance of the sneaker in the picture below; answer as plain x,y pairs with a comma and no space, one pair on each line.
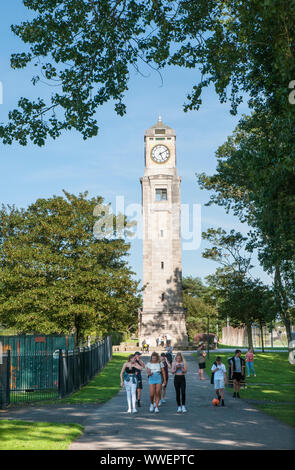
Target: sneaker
254,375
151,408
128,411
183,409
160,402
157,410
179,409
155,404
134,411
163,401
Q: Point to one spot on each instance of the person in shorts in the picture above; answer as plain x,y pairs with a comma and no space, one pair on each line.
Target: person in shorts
220,380
237,365
139,362
166,366
157,378
201,355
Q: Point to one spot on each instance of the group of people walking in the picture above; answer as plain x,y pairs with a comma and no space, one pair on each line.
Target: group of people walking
157,369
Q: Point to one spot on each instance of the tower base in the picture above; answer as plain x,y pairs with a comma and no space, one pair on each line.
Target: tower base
155,324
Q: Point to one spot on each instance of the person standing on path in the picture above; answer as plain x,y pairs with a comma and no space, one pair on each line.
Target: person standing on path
219,371
201,356
237,371
156,377
179,369
129,381
138,376
166,367
169,356
250,361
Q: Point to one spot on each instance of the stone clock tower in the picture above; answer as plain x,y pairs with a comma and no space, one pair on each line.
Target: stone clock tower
162,311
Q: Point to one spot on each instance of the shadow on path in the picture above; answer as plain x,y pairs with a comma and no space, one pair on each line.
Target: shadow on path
236,426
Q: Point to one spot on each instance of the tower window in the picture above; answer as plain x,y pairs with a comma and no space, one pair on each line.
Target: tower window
161,194
160,131
163,296
162,264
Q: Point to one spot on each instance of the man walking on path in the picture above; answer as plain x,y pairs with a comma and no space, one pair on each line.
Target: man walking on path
237,365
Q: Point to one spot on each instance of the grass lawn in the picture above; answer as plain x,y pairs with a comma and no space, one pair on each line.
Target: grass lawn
268,348
24,435
273,386
104,386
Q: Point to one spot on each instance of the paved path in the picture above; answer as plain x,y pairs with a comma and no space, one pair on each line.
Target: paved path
236,426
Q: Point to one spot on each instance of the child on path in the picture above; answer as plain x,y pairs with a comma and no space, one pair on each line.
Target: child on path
220,380
250,361
201,356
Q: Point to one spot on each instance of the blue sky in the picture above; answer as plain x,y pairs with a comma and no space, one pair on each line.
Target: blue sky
112,163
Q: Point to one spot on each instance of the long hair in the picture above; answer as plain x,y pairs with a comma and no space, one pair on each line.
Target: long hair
179,354
155,354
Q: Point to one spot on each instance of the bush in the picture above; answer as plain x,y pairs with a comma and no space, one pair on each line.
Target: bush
201,338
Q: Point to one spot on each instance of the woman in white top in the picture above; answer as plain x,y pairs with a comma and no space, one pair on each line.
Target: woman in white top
156,375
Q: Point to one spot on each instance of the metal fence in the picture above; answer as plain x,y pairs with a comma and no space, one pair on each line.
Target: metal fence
30,344
78,367
47,375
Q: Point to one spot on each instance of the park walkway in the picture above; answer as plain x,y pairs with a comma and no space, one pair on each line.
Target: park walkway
236,426
107,426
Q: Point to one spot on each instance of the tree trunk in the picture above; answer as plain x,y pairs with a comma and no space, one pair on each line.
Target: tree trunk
262,342
249,334
282,302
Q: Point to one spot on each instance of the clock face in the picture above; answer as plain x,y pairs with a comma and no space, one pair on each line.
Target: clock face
160,154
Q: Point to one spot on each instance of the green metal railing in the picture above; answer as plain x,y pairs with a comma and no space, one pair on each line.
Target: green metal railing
45,375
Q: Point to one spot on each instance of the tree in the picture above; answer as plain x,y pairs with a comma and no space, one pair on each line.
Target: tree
243,300
200,303
229,250
255,178
87,49
57,277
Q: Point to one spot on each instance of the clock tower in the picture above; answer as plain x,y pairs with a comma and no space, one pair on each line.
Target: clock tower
162,312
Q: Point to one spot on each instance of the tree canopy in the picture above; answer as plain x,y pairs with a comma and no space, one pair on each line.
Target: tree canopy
57,277
87,49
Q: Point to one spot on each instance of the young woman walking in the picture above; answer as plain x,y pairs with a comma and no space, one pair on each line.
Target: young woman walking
166,367
250,361
129,381
179,369
156,375
201,356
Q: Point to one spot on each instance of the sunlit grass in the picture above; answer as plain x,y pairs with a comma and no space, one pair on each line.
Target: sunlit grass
24,435
272,388
104,386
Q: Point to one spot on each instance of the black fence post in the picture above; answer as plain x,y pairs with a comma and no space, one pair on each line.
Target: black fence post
60,374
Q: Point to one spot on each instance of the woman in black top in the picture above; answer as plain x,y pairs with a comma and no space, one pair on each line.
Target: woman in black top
129,381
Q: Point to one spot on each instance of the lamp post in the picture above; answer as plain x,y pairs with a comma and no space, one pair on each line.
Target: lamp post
208,338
